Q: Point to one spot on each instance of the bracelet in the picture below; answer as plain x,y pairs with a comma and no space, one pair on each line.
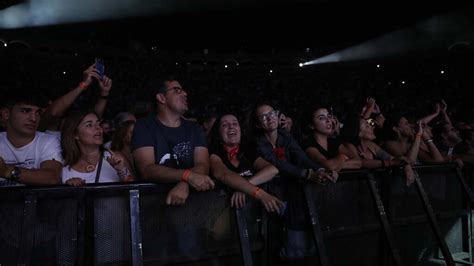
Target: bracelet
186,175
83,85
255,192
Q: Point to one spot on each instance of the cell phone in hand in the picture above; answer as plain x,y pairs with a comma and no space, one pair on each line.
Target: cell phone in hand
99,66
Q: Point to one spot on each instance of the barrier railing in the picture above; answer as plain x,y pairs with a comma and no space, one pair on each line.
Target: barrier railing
442,196
366,218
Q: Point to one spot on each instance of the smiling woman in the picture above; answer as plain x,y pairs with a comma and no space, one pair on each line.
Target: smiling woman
85,161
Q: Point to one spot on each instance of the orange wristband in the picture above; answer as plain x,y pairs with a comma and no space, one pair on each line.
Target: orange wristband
255,192
185,176
83,85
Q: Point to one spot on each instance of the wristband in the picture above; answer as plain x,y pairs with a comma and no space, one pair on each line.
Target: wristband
186,175
255,192
83,85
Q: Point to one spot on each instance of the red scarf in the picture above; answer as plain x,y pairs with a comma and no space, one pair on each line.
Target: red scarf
279,153
232,151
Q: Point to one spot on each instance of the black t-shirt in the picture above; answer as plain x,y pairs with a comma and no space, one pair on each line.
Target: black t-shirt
247,157
331,152
174,147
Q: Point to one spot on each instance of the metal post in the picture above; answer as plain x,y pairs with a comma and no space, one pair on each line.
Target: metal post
317,232
464,185
434,223
387,228
135,229
244,237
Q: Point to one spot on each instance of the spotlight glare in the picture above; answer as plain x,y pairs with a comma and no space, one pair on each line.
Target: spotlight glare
301,64
271,71
403,82
225,66
378,66
5,44
64,72
442,71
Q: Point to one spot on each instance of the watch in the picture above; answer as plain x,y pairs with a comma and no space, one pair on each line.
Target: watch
15,173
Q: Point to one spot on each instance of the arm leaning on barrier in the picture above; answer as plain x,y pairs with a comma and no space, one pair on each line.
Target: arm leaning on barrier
48,173
235,181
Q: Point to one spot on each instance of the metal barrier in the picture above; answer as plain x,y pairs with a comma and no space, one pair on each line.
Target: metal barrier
116,224
367,218
384,222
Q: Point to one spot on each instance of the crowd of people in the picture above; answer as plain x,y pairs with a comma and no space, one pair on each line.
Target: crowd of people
239,138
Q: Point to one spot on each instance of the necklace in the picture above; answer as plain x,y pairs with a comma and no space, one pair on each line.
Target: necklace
90,166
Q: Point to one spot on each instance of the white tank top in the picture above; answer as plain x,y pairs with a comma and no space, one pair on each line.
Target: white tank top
107,173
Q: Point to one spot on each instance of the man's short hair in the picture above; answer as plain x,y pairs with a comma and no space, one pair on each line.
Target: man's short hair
157,84
24,96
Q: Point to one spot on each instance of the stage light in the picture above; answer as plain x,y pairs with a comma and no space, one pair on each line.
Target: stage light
378,66
442,71
271,71
301,64
225,66
403,82
417,37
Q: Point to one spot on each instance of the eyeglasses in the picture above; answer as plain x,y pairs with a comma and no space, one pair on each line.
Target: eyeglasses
177,90
268,116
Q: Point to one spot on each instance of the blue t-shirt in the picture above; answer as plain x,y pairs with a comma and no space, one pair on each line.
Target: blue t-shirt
174,146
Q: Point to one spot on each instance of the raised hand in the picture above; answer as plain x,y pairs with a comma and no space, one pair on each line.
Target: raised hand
444,106
116,160
105,85
89,74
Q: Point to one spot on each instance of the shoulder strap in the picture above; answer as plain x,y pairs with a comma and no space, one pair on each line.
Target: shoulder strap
99,167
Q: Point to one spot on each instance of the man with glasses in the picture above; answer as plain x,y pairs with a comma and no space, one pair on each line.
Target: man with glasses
169,149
